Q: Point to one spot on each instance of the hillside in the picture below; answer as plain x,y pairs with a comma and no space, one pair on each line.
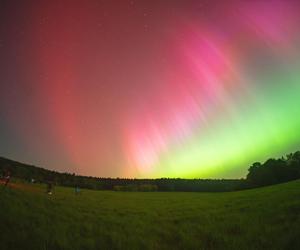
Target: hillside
272,171
28,172
262,218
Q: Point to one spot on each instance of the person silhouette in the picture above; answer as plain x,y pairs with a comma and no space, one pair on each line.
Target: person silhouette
49,183
7,177
77,190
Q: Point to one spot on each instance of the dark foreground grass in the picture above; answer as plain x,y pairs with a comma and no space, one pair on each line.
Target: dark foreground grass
264,218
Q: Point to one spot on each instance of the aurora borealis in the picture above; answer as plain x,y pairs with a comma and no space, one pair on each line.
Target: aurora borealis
146,89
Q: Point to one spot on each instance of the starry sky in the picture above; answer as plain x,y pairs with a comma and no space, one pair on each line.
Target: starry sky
149,88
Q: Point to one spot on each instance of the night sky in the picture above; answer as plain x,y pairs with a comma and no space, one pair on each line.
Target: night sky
149,88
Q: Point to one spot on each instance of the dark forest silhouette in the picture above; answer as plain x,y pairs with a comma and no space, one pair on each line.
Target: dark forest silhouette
273,171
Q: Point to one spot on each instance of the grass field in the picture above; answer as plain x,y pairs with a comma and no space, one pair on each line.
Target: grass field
263,218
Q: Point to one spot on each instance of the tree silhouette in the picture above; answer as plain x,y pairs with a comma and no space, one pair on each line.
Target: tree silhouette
275,170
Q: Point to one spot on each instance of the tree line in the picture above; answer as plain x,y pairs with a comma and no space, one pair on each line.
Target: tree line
259,174
274,171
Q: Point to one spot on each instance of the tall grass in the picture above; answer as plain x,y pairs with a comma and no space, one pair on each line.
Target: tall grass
264,218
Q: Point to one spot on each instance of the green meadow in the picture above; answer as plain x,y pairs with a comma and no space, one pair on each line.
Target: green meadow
262,218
